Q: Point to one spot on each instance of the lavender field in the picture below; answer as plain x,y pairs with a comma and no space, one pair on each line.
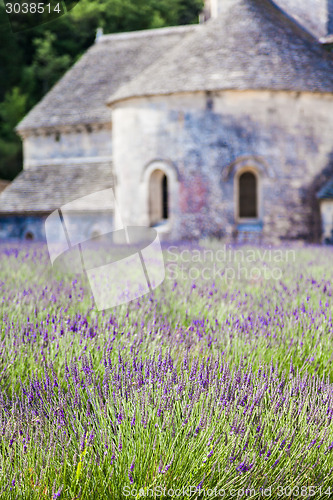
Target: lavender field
215,385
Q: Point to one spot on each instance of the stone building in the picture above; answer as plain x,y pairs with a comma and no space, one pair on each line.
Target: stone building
222,128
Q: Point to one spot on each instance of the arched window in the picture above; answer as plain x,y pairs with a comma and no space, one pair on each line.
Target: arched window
158,197
248,196
165,201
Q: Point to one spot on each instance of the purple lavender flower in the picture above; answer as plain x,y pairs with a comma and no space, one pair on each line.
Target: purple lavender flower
58,493
167,467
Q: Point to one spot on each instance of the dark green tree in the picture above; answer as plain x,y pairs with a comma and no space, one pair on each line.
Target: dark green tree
47,65
12,109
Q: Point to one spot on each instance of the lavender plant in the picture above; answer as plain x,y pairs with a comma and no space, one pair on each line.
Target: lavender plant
203,385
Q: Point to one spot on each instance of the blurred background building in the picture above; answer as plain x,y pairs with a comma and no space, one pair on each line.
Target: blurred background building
217,129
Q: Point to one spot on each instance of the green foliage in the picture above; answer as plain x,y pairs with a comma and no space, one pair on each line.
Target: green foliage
12,109
250,383
34,59
10,56
47,65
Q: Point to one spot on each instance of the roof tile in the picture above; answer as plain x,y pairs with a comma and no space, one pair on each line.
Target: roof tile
47,188
80,95
251,45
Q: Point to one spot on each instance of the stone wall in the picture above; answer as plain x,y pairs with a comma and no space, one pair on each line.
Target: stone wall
326,209
72,145
205,139
22,227
32,227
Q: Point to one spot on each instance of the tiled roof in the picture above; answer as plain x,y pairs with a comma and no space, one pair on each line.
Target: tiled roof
251,45
47,188
80,96
3,185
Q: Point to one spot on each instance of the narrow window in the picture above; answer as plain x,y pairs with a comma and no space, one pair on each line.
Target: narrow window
158,197
165,207
248,196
